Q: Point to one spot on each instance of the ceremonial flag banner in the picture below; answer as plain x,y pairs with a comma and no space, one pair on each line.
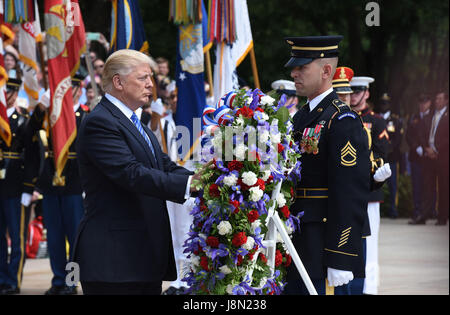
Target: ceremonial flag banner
29,35
5,130
62,117
127,28
76,41
192,44
232,48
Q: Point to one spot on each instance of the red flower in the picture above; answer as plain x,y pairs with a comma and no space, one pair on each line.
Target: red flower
260,183
278,258
263,258
245,111
252,216
292,192
243,186
280,148
235,166
214,191
259,109
212,241
239,260
270,179
235,204
285,211
239,239
288,260
204,263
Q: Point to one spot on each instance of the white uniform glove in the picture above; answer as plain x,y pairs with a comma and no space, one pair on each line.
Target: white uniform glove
45,99
419,151
382,173
338,277
157,107
26,199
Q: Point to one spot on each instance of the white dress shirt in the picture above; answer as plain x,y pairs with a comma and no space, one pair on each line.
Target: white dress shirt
316,100
128,113
435,122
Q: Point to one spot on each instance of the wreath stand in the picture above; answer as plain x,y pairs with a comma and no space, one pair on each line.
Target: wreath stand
274,224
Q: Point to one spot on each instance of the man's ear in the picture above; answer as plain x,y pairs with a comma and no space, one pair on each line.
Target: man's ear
117,83
327,71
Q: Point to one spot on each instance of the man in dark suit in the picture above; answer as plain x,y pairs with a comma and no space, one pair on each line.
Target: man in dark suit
334,187
124,243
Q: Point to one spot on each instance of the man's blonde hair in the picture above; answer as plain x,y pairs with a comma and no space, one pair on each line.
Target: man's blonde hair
122,62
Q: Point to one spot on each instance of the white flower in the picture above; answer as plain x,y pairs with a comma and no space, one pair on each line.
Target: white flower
255,194
267,100
249,178
225,270
240,151
224,228
275,138
230,288
239,121
230,180
195,261
281,201
264,136
249,244
263,281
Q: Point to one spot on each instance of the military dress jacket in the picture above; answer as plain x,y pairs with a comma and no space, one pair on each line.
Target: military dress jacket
394,127
376,125
333,191
12,157
43,164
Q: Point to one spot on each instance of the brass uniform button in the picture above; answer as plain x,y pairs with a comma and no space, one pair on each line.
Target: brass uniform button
324,220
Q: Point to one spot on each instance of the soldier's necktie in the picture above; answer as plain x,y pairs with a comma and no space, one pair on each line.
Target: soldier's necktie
307,108
137,123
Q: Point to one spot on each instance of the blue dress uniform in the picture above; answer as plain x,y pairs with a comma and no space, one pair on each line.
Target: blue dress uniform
62,203
334,186
13,216
394,127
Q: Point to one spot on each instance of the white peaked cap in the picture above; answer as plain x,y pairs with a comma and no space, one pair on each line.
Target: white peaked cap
361,81
283,85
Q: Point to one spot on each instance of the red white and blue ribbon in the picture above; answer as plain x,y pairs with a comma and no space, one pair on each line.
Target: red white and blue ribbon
219,115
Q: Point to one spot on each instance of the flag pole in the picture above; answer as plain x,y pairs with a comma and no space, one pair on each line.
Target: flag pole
254,68
209,72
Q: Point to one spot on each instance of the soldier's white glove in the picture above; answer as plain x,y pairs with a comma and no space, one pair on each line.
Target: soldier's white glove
45,99
157,107
26,199
419,151
337,277
382,173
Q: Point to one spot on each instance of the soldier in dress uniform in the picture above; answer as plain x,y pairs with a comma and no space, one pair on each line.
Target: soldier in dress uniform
341,83
13,216
63,202
334,186
376,125
394,126
288,88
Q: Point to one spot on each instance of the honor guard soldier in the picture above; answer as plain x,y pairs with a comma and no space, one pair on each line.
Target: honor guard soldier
376,125
334,186
394,127
63,202
341,83
287,87
13,216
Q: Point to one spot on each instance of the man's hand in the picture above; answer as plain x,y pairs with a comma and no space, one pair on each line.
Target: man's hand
382,173
337,278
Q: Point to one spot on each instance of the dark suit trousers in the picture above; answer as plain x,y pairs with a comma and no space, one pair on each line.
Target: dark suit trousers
128,288
430,174
443,181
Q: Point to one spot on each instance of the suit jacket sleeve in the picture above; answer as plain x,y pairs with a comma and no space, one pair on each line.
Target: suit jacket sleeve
104,145
348,185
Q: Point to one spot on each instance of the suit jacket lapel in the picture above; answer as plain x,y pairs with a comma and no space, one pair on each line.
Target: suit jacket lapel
131,128
317,111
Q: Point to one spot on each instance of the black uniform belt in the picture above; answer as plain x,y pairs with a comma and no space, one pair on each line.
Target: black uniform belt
313,193
10,155
71,156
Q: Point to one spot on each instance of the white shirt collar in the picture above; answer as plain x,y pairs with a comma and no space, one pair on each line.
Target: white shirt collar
316,100
75,107
386,115
442,111
10,111
123,108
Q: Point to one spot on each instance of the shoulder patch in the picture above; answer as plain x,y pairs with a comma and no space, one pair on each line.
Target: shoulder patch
347,114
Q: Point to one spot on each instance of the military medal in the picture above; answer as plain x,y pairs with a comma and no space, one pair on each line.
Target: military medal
310,140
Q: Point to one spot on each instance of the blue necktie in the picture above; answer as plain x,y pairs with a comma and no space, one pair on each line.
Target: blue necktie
138,125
